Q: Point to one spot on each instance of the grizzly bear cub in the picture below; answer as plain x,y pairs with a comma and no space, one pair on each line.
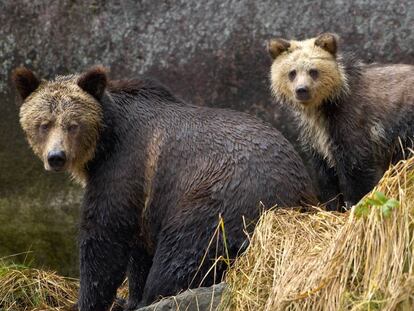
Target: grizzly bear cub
355,119
158,174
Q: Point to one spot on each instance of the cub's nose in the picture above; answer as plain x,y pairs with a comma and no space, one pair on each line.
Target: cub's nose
56,159
302,93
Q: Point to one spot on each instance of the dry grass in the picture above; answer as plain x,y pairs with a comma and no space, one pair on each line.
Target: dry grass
360,260
28,289
23,288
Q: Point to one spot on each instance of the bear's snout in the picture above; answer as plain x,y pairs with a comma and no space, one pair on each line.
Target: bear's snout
56,159
302,93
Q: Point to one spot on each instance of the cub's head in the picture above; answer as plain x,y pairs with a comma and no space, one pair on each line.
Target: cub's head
306,73
62,118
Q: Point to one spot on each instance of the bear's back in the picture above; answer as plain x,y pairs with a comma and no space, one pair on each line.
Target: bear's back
196,147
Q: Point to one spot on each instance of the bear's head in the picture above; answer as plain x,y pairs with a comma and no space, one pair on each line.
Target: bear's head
62,118
306,73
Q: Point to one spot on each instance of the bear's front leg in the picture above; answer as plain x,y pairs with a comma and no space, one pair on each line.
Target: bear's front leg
138,269
357,177
328,184
103,261
106,235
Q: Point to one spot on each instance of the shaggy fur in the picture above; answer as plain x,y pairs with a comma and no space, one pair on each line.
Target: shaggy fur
358,118
161,174
58,106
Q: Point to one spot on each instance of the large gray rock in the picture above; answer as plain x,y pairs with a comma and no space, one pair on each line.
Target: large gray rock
208,52
199,299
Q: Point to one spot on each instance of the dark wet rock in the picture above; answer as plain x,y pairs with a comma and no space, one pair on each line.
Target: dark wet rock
199,299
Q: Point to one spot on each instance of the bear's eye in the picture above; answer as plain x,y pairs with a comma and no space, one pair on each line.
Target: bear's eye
44,127
73,127
314,73
292,75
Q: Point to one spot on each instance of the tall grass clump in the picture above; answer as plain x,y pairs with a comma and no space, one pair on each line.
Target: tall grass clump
359,260
23,288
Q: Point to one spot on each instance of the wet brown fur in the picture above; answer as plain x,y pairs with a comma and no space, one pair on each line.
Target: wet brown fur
302,56
60,103
356,117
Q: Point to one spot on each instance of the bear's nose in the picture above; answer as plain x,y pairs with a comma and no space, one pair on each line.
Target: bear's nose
302,93
56,159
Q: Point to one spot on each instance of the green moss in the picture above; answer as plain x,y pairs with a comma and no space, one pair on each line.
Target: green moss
40,227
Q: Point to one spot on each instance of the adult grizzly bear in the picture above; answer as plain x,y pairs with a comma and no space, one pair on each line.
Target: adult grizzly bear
157,174
355,119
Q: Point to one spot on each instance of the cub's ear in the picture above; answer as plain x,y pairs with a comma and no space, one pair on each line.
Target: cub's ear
25,81
94,81
328,42
275,47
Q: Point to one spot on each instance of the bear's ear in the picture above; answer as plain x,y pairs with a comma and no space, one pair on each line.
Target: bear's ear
328,42
94,81
275,47
25,81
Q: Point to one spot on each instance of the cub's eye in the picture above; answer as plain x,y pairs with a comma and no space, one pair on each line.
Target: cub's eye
44,127
73,127
314,73
292,75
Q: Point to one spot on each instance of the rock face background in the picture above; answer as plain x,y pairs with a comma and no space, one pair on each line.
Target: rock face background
208,52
